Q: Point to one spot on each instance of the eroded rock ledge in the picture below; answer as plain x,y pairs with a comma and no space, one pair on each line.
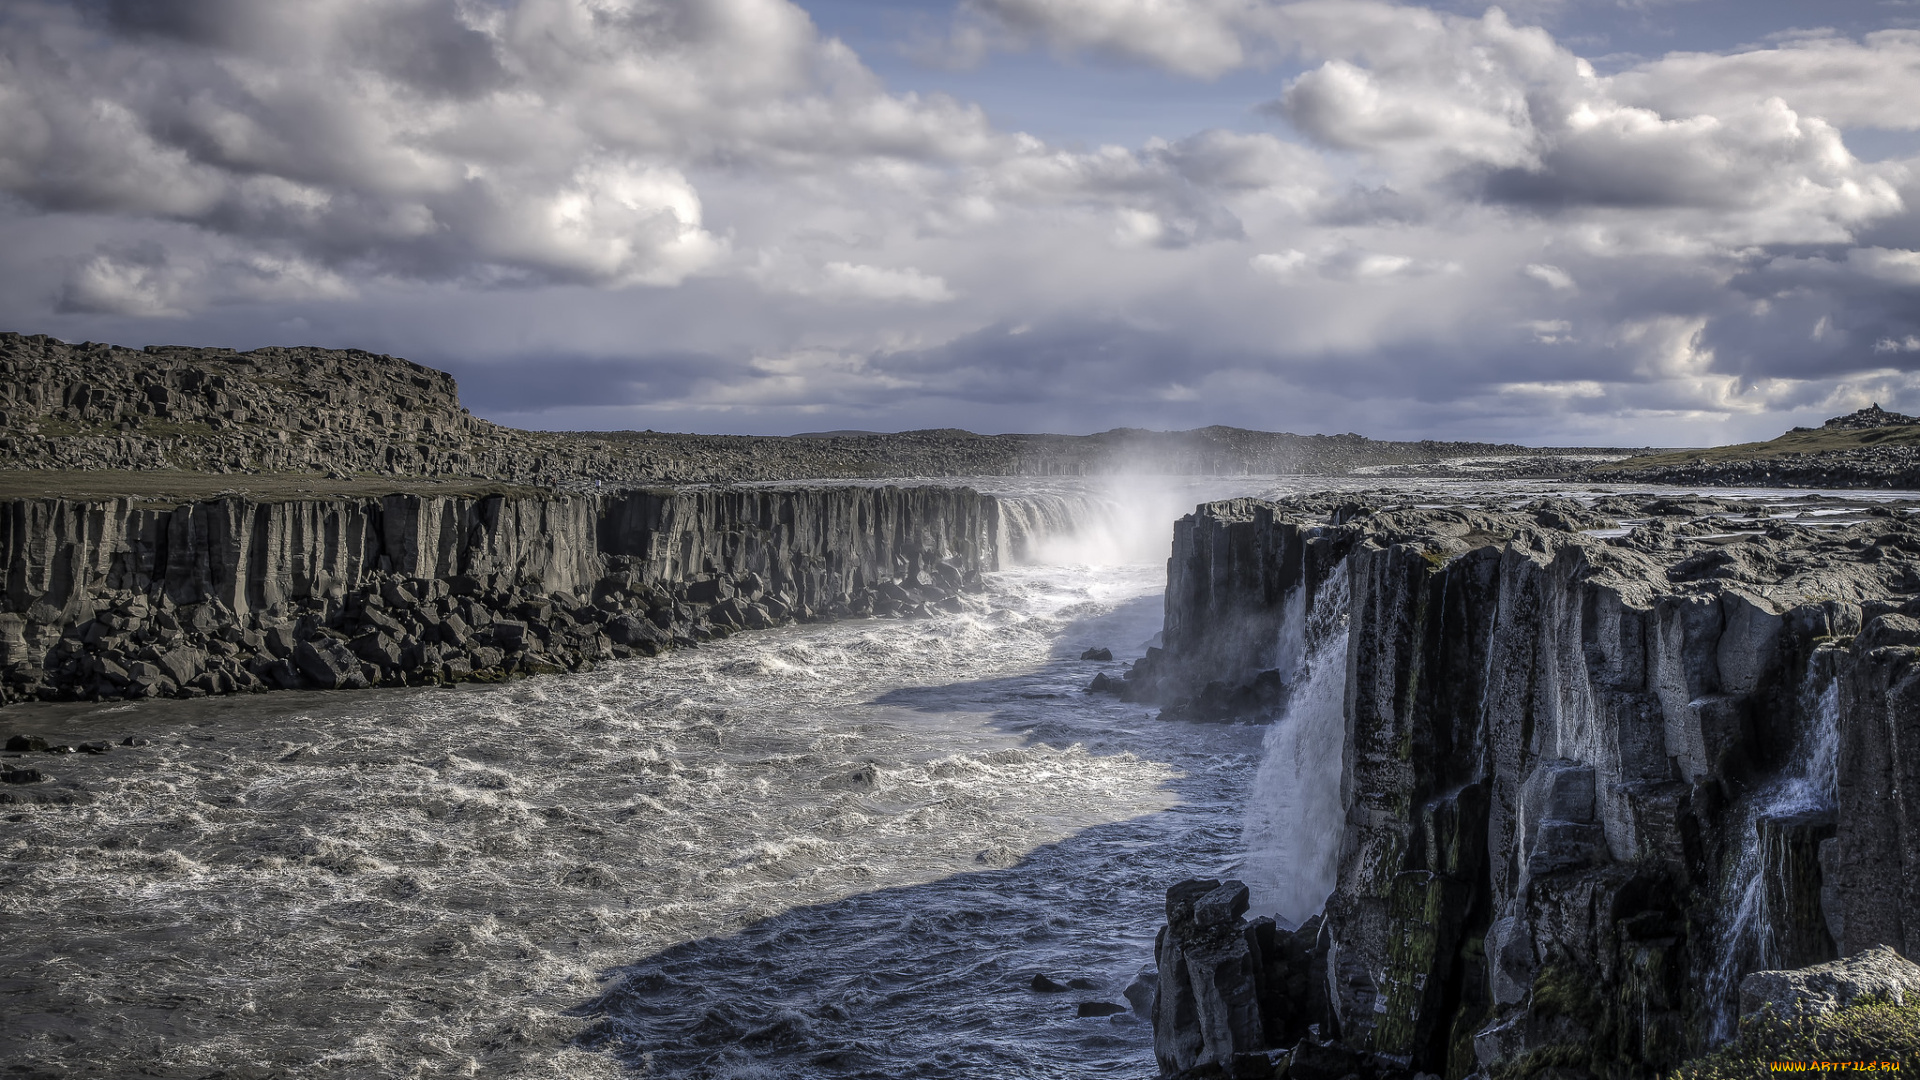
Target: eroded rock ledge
1566,784
119,598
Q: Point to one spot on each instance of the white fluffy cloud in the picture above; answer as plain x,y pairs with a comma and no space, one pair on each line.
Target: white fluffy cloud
1442,224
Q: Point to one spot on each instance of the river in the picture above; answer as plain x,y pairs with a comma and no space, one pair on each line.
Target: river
836,850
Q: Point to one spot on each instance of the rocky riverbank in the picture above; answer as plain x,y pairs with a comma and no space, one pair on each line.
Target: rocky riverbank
1596,761
119,598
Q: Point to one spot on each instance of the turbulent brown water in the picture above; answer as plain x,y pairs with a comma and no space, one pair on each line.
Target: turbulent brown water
821,851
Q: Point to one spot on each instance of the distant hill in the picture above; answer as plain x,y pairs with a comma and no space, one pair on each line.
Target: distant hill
1870,448
176,418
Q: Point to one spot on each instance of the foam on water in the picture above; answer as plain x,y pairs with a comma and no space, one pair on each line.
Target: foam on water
817,851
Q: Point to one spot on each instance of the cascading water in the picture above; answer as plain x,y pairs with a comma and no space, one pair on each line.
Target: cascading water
1755,925
1081,529
1036,526
1120,520
1293,822
1290,646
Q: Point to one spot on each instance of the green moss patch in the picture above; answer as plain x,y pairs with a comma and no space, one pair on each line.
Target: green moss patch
1876,1032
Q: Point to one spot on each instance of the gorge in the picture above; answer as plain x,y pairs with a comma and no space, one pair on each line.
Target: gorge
825,776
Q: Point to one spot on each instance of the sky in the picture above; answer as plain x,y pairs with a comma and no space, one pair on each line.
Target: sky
1560,222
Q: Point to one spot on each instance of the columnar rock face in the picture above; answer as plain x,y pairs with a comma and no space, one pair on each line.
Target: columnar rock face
1586,782
1874,860
117,597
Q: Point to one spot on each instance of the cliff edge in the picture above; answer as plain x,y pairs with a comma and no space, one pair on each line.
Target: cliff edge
1588,775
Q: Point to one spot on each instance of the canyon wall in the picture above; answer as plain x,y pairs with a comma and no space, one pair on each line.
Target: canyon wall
125,598
1585,784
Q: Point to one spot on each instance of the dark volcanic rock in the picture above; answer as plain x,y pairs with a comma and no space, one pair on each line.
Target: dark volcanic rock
1549,741
232,595
329,663
1878,974
1873,416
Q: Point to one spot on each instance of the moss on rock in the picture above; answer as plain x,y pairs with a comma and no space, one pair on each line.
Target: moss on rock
1870,1032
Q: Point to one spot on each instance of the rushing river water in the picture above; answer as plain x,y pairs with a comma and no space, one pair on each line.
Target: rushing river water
818,851
836,850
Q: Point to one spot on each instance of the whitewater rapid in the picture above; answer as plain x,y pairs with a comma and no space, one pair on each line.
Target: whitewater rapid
838,850
818,851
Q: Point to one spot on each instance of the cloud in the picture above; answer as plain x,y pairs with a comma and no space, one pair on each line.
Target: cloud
1551,276
849,281
1846,83
136,281
1202,38
677,213
543,140
1348,264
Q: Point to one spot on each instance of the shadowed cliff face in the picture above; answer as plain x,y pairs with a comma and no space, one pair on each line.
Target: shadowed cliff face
1581,785
120,598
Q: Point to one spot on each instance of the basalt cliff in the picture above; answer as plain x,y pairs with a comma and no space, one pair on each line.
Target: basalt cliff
123,598
1590,775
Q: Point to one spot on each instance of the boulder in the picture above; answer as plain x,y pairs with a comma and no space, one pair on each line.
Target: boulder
1139,992
281,641
329,663
281,673
182,664
1206,1009
11,775
633,631
377,648
1101,654
1878,973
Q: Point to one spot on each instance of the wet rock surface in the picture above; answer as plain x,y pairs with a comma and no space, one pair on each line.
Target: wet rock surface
1877,974
1564,721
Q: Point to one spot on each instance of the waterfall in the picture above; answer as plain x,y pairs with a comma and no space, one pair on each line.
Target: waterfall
1763,910
1081,528
1294,817
1290,645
